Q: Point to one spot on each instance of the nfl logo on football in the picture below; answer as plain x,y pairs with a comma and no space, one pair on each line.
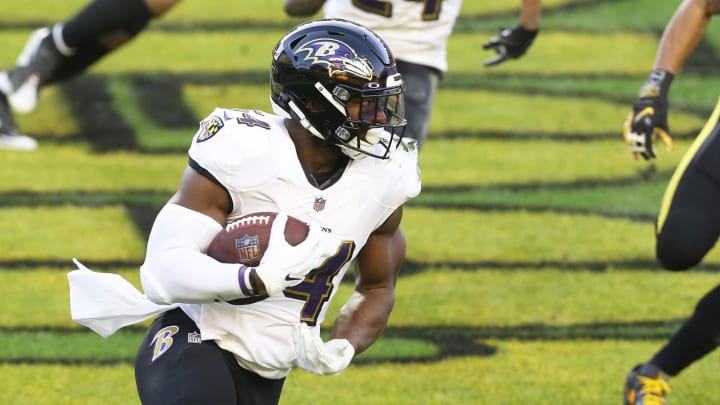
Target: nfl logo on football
248,248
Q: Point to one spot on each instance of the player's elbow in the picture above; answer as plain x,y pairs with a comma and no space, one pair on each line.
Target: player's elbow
152,287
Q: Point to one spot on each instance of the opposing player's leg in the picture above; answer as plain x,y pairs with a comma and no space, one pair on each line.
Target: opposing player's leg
173,366
421,85
688,225
694,340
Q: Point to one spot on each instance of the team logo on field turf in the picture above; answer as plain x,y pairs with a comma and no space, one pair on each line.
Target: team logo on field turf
209,127
248,249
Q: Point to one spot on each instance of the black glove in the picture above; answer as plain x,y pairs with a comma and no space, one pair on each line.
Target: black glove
511,43
648,119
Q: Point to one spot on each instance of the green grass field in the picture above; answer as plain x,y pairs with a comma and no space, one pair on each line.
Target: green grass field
530,276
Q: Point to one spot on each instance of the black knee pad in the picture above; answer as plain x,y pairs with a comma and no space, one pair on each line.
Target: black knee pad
678,255
89,53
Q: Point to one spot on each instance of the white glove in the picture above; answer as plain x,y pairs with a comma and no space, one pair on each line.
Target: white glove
318,357
284,265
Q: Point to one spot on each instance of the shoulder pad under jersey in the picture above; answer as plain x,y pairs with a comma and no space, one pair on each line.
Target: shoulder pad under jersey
240,148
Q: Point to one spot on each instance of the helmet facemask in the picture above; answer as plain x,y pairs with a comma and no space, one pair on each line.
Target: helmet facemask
373,117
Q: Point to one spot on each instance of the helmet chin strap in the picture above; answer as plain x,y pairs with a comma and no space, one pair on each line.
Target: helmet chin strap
352,153
375,135
329,97
303,120
279,110
298,113
372,137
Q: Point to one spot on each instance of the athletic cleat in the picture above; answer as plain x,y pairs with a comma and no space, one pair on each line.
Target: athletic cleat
646,385
17,142
32,45
34,67
9,137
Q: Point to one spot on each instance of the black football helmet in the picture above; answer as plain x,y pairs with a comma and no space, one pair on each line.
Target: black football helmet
318,67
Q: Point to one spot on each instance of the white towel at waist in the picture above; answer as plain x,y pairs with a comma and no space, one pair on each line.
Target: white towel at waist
106,302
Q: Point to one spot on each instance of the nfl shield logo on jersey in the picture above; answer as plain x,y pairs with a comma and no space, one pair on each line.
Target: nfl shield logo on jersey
248,249
319,204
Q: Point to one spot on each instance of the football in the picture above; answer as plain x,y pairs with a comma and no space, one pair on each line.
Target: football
245,239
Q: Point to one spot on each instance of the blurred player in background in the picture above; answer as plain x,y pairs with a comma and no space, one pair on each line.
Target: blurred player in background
688,224
417,32
53,54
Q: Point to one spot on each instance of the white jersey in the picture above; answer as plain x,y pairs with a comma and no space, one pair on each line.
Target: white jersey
250,153
416,31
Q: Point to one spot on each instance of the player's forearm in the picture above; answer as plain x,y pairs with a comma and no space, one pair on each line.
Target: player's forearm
302,8
530,15
363,318
683,33
175,267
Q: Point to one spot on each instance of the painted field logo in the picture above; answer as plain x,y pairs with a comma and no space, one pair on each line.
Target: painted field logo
248,249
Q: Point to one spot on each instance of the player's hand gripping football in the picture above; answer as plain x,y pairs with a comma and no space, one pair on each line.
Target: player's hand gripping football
318,357
511,43
284,265
648,119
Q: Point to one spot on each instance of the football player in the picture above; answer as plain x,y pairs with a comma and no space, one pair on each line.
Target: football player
417,32
688,224
332,154
56,53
